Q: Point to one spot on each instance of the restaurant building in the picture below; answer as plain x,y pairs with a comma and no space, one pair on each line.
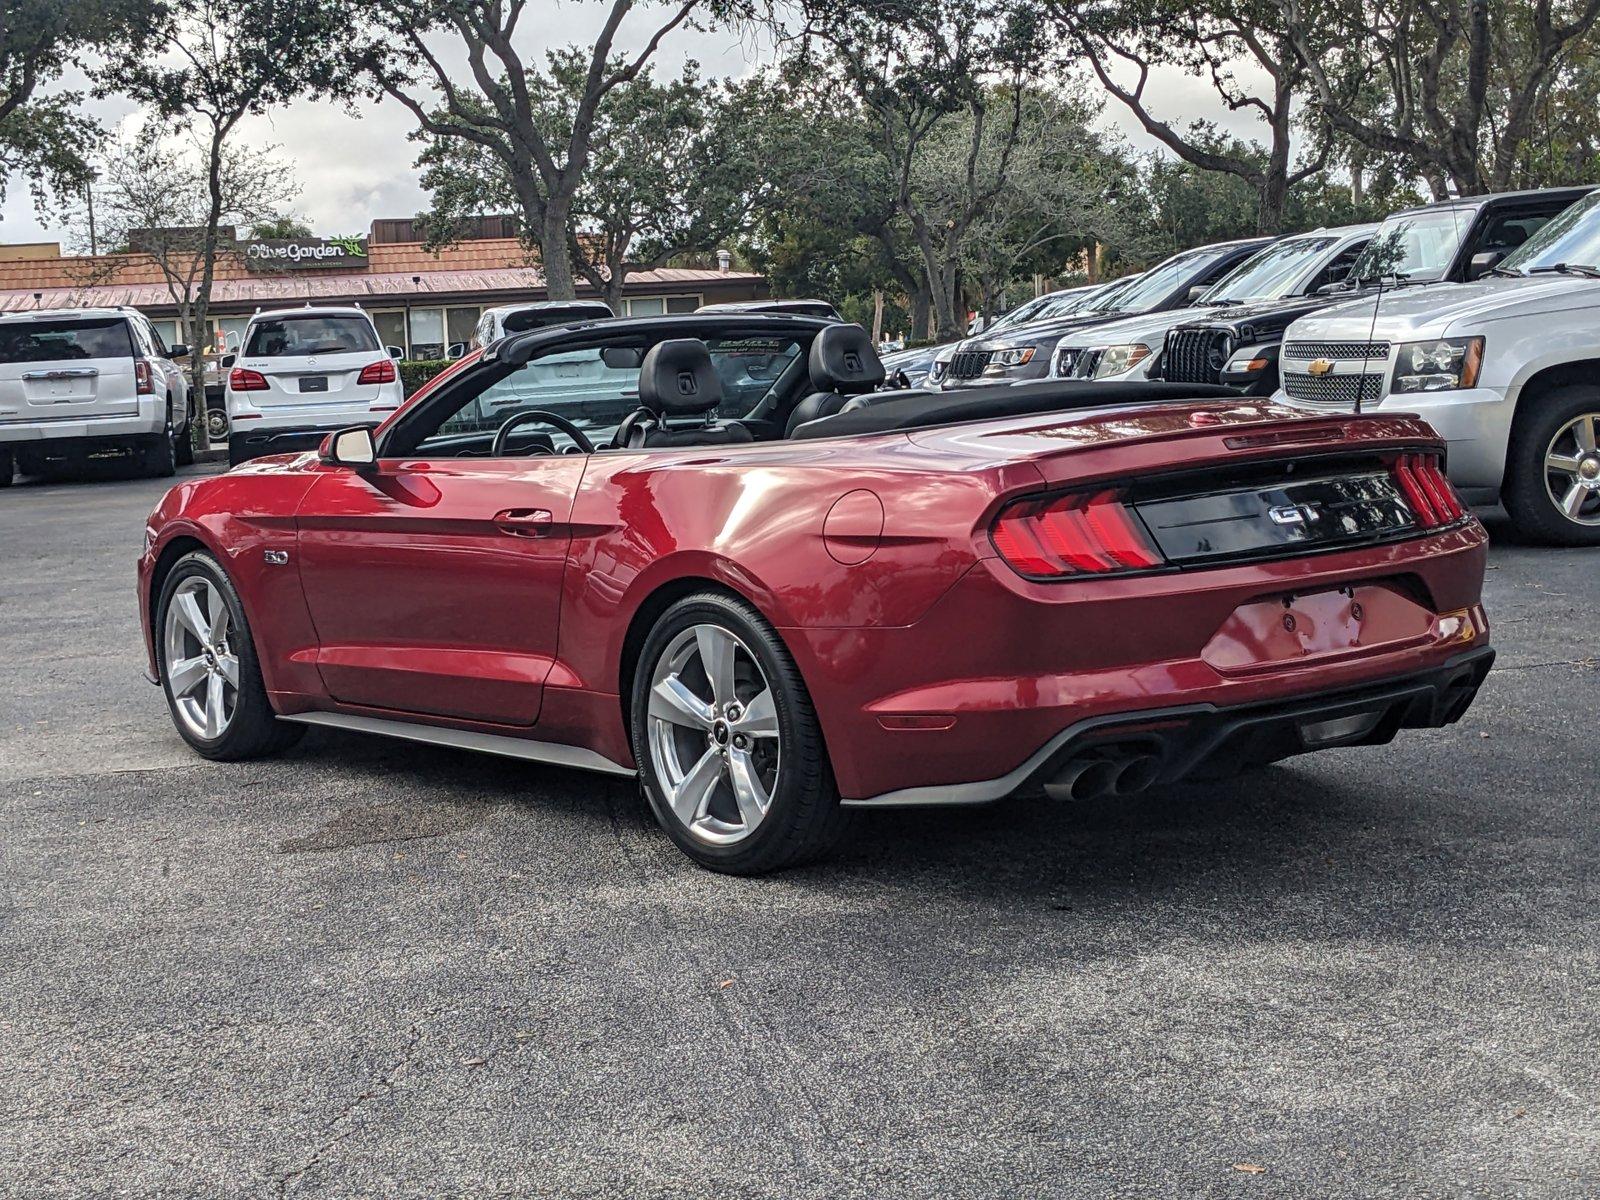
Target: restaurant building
426,302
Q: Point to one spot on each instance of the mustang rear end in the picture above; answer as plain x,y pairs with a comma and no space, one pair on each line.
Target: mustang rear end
1187,598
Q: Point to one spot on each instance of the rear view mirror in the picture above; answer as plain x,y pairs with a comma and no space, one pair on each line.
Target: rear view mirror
178,351
1483,262
622,358
351,448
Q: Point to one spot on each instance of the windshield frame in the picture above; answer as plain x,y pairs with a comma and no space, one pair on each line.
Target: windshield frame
1461,217
1303,251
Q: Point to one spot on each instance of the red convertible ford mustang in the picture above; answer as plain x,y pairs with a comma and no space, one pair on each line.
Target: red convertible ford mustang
710,551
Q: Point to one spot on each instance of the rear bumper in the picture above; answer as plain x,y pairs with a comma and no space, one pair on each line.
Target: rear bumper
1173,744
81,432
248,442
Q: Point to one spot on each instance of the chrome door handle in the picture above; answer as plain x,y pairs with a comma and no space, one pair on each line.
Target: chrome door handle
524,522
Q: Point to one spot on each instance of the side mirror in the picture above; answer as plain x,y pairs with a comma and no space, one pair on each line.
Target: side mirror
1481,263
352,447
396,352
227,361
1198,290
178,351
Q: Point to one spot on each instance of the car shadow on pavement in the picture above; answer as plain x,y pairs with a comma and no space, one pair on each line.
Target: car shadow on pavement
1280,829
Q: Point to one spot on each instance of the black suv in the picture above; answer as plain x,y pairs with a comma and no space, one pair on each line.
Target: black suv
1449,241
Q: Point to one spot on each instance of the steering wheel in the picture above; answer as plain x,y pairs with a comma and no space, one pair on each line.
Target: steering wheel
502,434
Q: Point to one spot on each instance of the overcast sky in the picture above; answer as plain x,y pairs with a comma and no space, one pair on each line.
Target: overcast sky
354,167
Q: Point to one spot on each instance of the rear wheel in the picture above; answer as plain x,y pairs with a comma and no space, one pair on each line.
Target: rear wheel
185,443
209,669
8,467
159,453
1553,470
730,753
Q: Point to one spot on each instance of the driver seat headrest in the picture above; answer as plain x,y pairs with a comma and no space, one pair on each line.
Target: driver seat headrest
678,379
844,360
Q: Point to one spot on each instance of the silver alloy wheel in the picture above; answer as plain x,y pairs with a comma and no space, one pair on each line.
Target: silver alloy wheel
216,425
1572,470
201,668
713,733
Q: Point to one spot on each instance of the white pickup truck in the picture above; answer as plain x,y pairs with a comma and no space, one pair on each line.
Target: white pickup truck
1506,368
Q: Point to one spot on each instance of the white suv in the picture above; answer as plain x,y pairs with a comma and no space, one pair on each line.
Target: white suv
300,374
83,381
1506,368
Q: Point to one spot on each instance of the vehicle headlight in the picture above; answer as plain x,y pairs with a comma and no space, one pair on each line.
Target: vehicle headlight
1011,356
1118,360
1445,365
940,366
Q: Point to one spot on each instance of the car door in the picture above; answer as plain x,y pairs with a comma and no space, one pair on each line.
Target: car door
433,579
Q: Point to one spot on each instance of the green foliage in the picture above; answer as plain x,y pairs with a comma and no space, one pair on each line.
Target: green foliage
416,372
44,138
285,226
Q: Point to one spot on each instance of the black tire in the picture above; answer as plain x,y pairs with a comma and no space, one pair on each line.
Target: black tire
158,454
184,455
255,730
804,819
1526,494
8,467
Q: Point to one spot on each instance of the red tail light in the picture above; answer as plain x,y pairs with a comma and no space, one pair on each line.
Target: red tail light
144,381
1427,491
241,379
381,371
1091,534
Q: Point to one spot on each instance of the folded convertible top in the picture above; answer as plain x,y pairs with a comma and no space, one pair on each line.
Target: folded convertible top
918,410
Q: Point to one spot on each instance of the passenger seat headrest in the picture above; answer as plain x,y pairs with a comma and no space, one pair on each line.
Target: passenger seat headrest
678,379
844,360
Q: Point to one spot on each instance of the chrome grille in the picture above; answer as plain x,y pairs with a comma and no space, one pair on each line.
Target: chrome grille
1195,355
1088,360
1336,350
969,364
1066,360
1333,389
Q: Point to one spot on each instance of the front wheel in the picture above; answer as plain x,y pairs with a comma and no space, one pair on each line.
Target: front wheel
1553,472
209,669
730,754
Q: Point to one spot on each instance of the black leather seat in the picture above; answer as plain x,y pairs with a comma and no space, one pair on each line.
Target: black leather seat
843,363
677,379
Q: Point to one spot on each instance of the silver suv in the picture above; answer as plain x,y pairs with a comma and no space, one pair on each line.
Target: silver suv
82,382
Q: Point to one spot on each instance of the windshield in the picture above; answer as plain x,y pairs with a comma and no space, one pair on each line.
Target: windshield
1270,275
65,341
1417,246
1572,238
283,337
1160,281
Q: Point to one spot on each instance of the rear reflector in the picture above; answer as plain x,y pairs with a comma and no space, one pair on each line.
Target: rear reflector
1093,534
1427,491
381,371
243,380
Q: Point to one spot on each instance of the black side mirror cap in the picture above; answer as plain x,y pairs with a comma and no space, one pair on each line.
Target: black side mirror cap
178,351
1481,263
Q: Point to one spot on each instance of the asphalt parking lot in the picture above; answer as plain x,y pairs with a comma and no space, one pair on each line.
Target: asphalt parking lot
375,968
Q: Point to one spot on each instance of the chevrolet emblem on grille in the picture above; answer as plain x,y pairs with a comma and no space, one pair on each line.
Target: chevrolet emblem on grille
1319,367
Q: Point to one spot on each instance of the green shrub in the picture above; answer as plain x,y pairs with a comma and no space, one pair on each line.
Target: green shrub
413,374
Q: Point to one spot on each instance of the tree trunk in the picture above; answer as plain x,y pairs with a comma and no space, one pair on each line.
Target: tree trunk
877,315
555,261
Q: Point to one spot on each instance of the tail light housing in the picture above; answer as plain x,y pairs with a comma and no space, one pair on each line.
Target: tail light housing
381,371
144,381
1085,534
242,379
1429,493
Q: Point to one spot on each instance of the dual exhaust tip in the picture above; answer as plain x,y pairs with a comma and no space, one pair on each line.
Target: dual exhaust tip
1106,771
